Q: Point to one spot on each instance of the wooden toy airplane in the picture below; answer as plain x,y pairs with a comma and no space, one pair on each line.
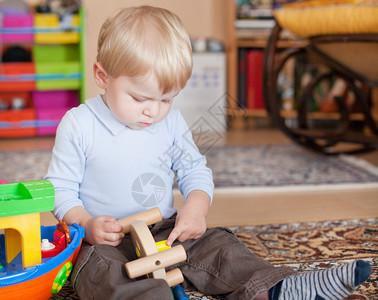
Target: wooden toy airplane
151,262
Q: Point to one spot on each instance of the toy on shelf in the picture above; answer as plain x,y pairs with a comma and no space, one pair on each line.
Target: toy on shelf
152,262
35,261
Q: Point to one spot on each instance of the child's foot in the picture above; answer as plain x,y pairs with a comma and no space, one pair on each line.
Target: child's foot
331,284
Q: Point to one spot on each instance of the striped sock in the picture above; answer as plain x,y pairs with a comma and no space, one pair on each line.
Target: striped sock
330,284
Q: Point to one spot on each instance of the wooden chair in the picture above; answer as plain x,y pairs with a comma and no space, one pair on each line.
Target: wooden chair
350,57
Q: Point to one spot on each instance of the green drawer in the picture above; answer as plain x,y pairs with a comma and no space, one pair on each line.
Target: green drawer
56,53
58,75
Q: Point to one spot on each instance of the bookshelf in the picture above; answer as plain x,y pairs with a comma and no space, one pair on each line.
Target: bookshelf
238,113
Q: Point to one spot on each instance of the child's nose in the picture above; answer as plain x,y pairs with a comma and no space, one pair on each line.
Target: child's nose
152,109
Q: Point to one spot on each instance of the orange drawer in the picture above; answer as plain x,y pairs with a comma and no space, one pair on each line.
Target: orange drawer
17,77
17,123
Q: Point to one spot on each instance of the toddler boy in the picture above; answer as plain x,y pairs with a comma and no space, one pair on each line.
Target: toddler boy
119,153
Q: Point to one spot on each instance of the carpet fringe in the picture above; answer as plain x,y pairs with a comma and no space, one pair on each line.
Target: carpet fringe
360,163
294,188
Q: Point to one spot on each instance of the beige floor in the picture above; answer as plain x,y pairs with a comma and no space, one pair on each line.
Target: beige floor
243,207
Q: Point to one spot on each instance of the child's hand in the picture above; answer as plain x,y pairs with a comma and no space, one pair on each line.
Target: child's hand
100,230
103,230
191,219
189,225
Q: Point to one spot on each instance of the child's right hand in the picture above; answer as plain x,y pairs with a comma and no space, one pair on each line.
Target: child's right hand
103,230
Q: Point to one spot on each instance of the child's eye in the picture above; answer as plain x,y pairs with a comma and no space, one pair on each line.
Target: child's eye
137,100
167,101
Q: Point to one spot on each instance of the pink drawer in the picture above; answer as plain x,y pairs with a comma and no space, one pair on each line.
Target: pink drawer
17,28
48,120
55,99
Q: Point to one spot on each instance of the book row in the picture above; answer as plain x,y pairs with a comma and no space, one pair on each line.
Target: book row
250,70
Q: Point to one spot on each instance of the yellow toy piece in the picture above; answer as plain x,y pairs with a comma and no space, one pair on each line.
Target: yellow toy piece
22,233
161,246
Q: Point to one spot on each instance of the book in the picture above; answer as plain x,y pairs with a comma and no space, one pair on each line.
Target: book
254,23
247,9
242,78
253,34
254,93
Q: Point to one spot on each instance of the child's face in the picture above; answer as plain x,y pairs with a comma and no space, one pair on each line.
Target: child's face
137,102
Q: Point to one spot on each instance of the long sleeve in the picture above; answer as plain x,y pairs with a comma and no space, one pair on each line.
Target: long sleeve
188,163
67,165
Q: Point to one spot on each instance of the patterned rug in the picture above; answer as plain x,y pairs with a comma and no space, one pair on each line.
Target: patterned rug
235,166
285,165
305,247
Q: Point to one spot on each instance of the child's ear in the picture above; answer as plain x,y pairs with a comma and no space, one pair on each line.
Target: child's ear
101,76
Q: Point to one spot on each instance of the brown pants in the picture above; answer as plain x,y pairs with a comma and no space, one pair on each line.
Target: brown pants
217,264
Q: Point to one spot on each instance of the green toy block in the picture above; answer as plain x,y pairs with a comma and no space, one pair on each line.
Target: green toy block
26,197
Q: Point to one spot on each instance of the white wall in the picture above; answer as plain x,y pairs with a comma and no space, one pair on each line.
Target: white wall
205,18
202,18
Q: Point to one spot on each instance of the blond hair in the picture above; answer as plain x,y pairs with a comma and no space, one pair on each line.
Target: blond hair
139,39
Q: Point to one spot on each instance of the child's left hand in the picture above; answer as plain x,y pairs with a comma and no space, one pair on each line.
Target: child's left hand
191,219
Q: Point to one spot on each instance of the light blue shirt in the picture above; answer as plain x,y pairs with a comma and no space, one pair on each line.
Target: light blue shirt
110,169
